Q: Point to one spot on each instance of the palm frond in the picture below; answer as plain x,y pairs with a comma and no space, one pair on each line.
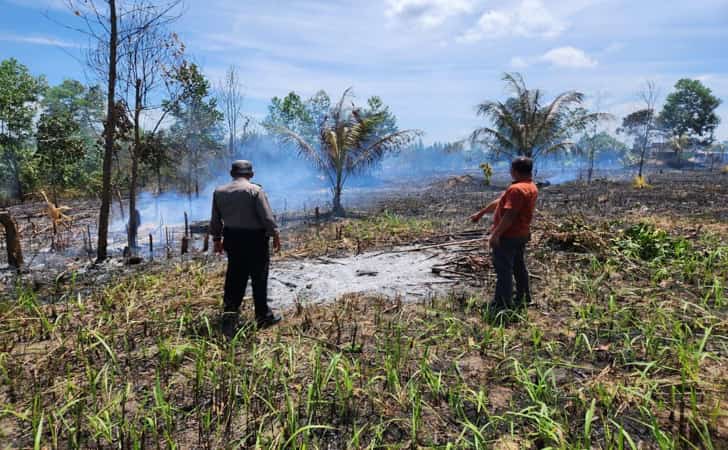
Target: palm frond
339,109
516,83
506,118
554,148
565,98
502,143
332,143
488,108
304,148
374,151
358,132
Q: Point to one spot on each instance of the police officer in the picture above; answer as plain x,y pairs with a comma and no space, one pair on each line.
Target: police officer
242,224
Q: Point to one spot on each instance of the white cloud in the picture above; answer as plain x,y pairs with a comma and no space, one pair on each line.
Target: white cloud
529,18
427,13
491,25
518,62
569,57
38,40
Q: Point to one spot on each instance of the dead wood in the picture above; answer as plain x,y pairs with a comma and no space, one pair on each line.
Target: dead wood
56,213
427,247
12,239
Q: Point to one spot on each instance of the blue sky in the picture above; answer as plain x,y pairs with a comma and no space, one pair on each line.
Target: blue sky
431,60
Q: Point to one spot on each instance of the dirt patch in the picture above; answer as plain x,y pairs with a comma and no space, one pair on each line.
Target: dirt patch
499,397
460,182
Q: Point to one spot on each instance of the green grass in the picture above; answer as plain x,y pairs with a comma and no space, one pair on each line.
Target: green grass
359,234
631,353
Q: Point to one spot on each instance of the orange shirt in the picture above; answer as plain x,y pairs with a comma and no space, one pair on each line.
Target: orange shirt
521,197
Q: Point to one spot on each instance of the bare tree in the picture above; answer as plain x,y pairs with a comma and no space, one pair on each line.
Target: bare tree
231,96
642,124
149,58
106,23
592,129
649,96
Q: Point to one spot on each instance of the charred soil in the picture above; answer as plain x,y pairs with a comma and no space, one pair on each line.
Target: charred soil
625,346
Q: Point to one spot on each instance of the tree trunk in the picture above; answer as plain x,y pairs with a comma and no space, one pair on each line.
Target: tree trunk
232,145
590,171
189,178
54,194
19,187
642,162
133,216
643,153
196,173
338,209
101,252
159,179
12,240
16,178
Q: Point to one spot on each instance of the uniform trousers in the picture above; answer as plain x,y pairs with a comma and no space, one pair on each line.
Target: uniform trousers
248,254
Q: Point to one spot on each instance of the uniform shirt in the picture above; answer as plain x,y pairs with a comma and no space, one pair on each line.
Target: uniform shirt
520,197
241,205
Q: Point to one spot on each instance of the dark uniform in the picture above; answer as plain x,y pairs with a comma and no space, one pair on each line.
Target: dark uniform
242,216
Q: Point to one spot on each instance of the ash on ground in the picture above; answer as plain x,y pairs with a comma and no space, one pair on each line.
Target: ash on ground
401,272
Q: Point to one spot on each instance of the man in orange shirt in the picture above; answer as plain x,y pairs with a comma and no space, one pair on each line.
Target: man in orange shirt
510,233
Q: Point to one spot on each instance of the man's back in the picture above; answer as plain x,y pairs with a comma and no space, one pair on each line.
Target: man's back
241,224
241,205
520,197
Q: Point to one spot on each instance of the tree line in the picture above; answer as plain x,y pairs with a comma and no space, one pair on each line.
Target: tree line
154,121
525,124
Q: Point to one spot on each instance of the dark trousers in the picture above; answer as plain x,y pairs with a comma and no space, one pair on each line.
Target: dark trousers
248,257
509,261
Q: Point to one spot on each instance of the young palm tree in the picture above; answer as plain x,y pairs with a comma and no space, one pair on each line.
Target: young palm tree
524,126
348,141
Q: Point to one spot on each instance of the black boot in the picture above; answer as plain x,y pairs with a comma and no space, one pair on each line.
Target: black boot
229,323
269,319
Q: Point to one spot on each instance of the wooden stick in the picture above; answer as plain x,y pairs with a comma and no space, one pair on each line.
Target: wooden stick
458,233
438,270
427,247
185,238
185,245
169,248
151,247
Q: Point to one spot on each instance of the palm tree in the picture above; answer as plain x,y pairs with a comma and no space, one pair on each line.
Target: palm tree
347,142
524,126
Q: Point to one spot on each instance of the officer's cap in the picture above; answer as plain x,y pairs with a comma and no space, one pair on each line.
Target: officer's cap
241,168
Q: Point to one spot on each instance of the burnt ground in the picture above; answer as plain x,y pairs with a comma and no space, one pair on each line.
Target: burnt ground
625,346
685,202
